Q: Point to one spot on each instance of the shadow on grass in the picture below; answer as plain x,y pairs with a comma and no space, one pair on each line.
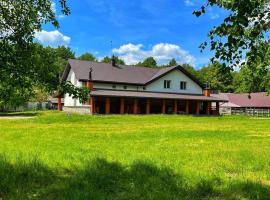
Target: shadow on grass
100,179
19,114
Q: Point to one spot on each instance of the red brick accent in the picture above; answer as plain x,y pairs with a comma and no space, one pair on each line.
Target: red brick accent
59,103
175,106
135,106
107,105
122,106
187,107
148,106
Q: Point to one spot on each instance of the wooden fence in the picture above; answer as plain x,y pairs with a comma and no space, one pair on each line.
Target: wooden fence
256,112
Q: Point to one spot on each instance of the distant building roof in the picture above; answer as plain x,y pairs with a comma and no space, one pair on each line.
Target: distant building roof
106,72
155,95
259,100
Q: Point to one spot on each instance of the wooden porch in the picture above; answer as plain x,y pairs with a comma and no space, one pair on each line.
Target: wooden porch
123,105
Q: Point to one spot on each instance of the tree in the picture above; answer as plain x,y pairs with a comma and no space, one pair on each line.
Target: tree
148,62
21,66
109,60
254,76
217,76
246,25
172,62
192,71
63,54
87,56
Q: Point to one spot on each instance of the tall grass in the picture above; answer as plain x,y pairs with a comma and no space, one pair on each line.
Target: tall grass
61,156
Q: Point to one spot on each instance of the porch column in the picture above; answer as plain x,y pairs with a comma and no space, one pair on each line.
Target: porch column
208,108
198,105
135,106
217,108
175,107
122,106
163,108
59,103
148,106
92,104
107,105
187,107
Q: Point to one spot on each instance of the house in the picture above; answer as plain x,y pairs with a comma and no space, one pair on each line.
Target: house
245,103
121,89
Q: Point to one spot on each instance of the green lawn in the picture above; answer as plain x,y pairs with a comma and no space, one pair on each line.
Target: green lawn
60,156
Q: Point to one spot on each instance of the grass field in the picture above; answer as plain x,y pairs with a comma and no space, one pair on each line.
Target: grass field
60,156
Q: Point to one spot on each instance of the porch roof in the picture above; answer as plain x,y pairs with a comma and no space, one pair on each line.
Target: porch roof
153,95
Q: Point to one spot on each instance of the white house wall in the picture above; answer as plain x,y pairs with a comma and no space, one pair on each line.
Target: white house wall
69,101
158,86
175,77
109,86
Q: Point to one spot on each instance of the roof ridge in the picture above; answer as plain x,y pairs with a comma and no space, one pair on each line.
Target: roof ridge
155,68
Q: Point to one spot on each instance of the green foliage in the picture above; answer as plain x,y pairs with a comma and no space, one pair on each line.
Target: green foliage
148,62
254,76
193,71
172,62
87,56
23,63
218,77
172,157
243,29
63,54
108,59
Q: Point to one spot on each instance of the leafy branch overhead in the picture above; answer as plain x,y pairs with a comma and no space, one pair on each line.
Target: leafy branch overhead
24,64
242,30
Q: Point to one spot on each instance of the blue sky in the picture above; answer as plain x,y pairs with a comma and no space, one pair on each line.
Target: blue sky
137,29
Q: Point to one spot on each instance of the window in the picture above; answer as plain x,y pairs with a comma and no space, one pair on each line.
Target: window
167,84
183,85
114,86
144,88
125,87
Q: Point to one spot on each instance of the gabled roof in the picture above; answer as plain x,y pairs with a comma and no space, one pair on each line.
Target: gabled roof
105,72
261,99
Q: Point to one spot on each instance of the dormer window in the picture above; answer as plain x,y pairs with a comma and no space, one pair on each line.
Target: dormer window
167,84
183,85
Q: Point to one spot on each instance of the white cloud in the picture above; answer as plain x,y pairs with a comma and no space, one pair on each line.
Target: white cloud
53,7
52,38
189,3
162,52
61,16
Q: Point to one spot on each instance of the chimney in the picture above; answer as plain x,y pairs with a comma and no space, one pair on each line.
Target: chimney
206,91
113,61
89,83
90,73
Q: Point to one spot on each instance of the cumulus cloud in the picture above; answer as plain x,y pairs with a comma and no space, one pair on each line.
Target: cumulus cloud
52,38
162,52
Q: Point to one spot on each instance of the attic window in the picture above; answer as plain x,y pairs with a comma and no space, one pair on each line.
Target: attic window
125,87
183,85
144,88
114,86
167,84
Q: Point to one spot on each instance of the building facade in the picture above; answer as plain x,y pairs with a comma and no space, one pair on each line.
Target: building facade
252,104
121,89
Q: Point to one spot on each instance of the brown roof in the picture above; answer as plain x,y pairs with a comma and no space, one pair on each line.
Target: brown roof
105,72
155,95
260,99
